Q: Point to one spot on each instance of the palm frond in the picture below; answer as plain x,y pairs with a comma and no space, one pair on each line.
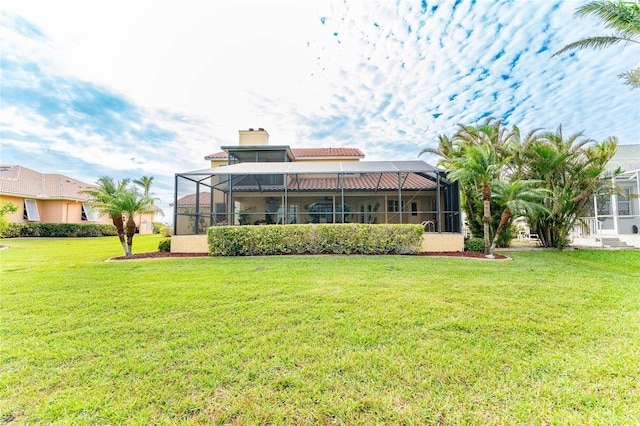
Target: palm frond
597,42
631,78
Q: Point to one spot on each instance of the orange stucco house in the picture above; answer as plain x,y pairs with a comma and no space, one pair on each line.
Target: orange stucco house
52,198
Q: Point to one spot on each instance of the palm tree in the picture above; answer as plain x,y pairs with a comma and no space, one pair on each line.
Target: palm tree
118,199
145,183
104,197
479,167
571,169
623,17
518,197
132,203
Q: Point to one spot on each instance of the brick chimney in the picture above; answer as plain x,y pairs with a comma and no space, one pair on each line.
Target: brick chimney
254,137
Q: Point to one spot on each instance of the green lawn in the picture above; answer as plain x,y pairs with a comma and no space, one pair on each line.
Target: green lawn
548,338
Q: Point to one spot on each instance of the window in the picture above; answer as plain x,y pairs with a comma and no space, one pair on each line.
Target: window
89,213
624,202
394,206
414,208
31,210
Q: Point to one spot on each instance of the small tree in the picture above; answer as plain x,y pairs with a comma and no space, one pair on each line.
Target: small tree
518,198
5,209
118,199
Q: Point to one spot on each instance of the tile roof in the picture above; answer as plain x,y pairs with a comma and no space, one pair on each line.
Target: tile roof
190,199
364,182
23,182
301,153
305,153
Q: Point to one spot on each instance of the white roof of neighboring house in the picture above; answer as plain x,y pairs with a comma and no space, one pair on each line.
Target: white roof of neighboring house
627,157
23,182
304,153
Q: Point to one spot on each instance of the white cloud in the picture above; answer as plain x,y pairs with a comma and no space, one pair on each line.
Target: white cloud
370,74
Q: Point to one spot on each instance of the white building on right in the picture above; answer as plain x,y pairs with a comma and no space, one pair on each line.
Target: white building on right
614,220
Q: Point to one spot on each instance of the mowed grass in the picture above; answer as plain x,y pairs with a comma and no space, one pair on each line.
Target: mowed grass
548,338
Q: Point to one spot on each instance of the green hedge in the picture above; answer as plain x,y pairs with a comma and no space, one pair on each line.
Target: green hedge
350,238
37,229
474,244
165,245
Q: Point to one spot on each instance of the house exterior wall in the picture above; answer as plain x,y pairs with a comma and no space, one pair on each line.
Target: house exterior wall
51,211
144,223
431,242
18,201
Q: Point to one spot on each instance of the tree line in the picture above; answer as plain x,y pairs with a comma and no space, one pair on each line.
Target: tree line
546,177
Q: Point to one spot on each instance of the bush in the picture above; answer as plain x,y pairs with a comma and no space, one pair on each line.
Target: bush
10,230
38,229
157,227
474,244
166,231
164,245
348,238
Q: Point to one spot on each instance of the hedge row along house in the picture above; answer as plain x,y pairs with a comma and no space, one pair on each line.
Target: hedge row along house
255,183
52,198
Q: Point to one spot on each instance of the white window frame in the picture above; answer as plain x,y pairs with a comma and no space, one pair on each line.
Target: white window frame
31,207
91,213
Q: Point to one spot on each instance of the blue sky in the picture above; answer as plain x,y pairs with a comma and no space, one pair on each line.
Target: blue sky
132,88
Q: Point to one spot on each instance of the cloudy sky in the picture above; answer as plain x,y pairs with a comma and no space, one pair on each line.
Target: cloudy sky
132,88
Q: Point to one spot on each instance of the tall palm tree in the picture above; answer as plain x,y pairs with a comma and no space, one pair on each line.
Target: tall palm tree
623,17
145,183
479,167
104,197
518,198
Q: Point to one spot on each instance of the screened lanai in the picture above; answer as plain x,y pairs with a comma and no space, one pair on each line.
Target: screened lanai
316,192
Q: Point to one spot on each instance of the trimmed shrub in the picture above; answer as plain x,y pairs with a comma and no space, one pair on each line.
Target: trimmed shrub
474,244
164,245
38,229
157,227
347,238
10,230
166,231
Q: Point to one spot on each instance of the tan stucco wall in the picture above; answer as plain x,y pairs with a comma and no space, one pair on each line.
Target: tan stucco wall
442,242
431,242
189,244
51,211
17,216
145,223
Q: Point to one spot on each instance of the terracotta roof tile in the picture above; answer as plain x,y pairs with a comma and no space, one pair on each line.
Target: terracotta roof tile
217,156
300,153
23,182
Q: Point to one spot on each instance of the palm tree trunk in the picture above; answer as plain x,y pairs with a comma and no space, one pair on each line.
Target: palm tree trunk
486,219
504,218
131,230
119,224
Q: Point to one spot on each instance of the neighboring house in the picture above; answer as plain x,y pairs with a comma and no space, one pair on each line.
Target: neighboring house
614,220
257,183
52,198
